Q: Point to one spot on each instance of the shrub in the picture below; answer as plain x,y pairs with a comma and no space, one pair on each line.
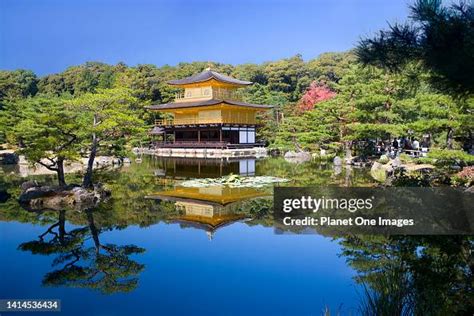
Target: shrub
404,158
401,178
445,157
464,177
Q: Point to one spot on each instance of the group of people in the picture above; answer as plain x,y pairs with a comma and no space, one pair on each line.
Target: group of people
410,145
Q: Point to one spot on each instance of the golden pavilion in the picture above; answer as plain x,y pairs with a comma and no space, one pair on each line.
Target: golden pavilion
208,113
208,208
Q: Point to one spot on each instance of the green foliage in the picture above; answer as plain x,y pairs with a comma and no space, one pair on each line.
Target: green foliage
373,104
14,85
251,72
112,115
401,178
108,117
437,36
312,129
444,157
80,79
464,178
361,110
17,84
288,76
47,129
405,158
280,83
330,68
406,275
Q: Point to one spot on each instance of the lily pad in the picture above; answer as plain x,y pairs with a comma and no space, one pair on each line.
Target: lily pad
233,181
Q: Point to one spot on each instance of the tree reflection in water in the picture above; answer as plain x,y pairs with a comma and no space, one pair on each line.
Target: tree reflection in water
413,275
104,267
421,275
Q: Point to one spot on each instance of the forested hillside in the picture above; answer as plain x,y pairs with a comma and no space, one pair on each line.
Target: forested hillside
280,83
363,102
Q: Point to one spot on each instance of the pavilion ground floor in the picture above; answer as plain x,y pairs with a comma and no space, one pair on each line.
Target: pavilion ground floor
206,136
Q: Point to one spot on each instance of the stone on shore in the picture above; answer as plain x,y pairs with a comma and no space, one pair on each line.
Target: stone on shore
381,172
297,157
29,184
57,198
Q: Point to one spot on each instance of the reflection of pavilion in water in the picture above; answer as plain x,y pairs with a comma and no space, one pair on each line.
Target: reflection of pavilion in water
208,208
202,168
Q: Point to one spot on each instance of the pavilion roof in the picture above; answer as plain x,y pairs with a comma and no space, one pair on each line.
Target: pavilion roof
209,223
207,75
194,195
180,105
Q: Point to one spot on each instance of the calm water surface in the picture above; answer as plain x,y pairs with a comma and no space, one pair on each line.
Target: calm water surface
206,251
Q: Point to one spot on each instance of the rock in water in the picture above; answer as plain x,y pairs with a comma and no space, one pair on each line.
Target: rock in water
396,163
4,196
297,157
470,190
8,157
36,192
29,184
379,171
83,196
384,159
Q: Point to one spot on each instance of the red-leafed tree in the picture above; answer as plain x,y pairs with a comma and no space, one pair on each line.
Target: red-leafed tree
315,93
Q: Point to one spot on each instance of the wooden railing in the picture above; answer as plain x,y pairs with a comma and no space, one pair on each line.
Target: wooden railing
181,97
216,93
197,120
223,94
191,144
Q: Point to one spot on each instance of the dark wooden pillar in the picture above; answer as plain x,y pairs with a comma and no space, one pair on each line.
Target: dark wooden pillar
199,135
220,134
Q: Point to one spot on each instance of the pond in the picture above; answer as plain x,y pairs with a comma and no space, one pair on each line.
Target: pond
159,247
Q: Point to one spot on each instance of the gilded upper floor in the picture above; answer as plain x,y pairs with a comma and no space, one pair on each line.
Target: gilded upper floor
209,97
207,93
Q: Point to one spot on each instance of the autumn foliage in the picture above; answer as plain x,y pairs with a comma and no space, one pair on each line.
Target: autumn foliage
315,93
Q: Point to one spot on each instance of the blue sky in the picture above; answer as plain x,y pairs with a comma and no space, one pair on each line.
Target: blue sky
47,36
